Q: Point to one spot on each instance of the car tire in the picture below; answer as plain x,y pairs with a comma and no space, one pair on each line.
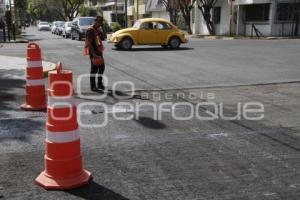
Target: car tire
174,43
72,37
79,37
117,46
126,43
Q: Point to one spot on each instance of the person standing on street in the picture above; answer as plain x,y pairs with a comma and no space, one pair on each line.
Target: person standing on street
94,37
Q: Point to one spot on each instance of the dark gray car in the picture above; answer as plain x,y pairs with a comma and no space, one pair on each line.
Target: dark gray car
79,27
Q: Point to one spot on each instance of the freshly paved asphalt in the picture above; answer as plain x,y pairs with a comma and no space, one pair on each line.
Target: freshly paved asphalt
167,159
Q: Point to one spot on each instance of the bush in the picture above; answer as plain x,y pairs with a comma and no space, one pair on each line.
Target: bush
88,11
106,27
115,26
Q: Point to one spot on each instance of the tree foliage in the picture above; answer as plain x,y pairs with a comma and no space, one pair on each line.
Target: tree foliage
70,8
172,6
205,7
20,7
186,7
45,10
88,11
50,10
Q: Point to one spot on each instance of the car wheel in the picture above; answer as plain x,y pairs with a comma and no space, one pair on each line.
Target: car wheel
117,46
126,43
174,43
72,37
79,37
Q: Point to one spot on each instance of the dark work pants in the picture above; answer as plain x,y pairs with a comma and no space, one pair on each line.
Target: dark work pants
96,70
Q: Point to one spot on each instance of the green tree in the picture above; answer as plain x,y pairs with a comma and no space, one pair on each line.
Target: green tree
70,8
88,11
45,10
20,7
172,6
186,7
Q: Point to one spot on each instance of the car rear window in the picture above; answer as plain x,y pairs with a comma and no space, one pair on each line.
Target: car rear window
86,21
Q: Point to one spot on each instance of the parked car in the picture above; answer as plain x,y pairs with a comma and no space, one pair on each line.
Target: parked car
60,28
79,27
55,25
67,30
43,26
149,31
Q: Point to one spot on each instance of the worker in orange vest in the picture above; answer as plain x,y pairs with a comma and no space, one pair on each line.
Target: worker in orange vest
93,44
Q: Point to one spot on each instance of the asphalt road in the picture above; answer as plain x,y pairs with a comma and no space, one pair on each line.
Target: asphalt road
167,159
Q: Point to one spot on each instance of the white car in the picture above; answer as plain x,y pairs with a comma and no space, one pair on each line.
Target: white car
56,27
44,26
67,30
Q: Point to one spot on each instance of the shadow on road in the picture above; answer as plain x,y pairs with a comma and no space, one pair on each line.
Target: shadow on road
7,85
94,191
150,123
155,49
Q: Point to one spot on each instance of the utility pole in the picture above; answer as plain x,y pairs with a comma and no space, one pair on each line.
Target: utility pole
126,19
137,9
230,16
116,10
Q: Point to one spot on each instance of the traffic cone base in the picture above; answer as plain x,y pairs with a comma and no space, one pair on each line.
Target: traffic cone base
31,108
50,183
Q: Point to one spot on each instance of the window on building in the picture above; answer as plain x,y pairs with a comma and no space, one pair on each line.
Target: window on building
217,15
285,11
130,2
257,12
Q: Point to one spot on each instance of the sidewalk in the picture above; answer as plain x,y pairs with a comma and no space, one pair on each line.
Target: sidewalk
17,63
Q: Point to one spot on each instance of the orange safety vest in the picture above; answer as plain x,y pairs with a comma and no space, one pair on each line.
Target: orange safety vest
98,41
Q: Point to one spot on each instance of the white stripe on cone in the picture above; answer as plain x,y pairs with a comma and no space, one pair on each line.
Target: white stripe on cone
35,82
62,137
31,64
61,102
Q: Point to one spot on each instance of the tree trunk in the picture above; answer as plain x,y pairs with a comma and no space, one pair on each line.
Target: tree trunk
187,18
208,21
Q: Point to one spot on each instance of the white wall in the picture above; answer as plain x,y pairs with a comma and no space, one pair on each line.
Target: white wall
263,28
285,29
199,25
107,16
161,14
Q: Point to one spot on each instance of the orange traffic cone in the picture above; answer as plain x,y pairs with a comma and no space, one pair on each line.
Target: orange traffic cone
35,86
63,161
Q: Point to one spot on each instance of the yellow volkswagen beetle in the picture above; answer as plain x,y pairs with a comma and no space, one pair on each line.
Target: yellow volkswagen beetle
149,31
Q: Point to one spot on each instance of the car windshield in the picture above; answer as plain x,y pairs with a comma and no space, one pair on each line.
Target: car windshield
136,24
60,24
44,23
86,21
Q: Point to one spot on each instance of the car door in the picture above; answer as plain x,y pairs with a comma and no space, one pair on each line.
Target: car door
163,31
147,34
75,28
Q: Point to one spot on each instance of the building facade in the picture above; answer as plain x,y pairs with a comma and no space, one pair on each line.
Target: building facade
246,17
2,9
230,17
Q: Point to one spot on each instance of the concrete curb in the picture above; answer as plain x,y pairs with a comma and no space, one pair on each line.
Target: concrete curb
46,69
240,37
